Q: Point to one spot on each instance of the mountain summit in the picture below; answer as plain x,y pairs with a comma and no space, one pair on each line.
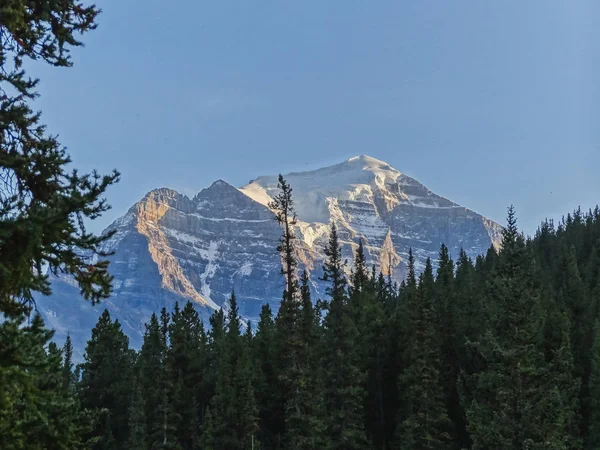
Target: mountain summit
170,248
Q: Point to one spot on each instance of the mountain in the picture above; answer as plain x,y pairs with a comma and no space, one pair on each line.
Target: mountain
170,248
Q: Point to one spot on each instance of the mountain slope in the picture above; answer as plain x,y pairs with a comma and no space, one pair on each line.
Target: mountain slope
170,248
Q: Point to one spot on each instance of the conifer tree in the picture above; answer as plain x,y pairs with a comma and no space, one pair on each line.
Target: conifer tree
106,380
299,400
234,405
215,339
593,438
42,204
369,316
155,385
207,439
36,412
423,422
514,388
137,440
341,372
304,410
266,378
283,205
185,364
447,313
67,367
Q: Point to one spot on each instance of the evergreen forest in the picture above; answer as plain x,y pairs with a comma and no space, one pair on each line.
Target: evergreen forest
500,352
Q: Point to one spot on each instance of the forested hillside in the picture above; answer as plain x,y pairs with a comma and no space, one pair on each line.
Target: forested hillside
500,352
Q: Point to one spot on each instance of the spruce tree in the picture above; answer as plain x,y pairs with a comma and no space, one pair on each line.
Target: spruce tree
593,438
106,380
207,439
423,422
447,314
137,439
36,411
156,385
515,388
43,204
300,402
369,316
67,366
267,397
185,365
304,410
342,376
234,404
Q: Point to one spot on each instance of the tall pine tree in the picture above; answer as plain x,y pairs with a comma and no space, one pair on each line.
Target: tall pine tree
106,380
344,394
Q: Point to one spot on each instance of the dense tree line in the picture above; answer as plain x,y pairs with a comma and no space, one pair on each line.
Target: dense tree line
44,206
500,352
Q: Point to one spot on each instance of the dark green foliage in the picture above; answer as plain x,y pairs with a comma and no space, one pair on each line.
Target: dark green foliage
233,406
593,439
283,205
342,375
517,402
42,205
138,438
486,355
423,421
368,313
106,380
266,378
207,438
156,385
68,380
36,412
186,360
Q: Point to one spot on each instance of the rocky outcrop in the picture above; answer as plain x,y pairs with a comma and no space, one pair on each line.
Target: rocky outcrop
170,248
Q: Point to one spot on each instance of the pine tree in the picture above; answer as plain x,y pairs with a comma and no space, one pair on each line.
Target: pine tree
514,389
593,438
360,275
36,412
369,316
42,206
155,385
185,366
207,439
572,296
304,409
341,372
283,205
67,367
234,405
300,402
137,439
446,316
266,379
423,421
106,379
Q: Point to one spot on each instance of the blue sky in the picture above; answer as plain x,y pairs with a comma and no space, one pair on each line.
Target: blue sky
486,103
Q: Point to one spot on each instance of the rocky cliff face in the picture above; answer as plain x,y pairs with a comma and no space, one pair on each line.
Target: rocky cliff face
171,248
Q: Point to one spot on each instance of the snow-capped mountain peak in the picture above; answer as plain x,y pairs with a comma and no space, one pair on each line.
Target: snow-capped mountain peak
360,179
170,248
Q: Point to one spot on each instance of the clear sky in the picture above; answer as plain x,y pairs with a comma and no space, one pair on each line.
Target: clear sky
486,103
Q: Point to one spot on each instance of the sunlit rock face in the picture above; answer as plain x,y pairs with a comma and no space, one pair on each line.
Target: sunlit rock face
169,247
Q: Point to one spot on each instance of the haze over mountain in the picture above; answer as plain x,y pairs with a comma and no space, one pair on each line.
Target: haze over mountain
169,247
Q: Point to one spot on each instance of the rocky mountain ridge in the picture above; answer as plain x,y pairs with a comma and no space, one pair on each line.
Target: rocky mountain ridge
169,247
